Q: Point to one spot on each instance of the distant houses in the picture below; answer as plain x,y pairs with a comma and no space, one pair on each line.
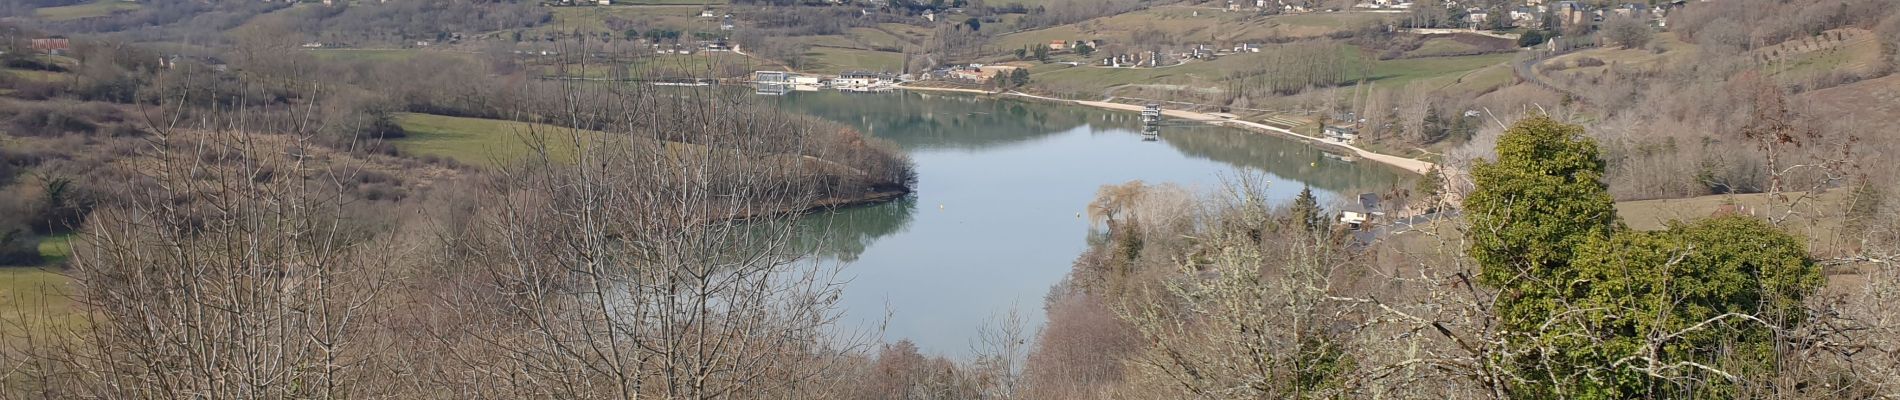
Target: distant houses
54,46
772,77
862,79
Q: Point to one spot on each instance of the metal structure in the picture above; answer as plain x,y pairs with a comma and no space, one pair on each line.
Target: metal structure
1151,122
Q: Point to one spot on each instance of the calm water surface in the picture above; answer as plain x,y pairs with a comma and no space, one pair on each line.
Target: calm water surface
1001,184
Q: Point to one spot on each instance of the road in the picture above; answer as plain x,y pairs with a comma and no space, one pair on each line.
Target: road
1526,71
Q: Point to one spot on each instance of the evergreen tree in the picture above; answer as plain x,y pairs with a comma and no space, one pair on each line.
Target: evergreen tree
1306,211
1590,310
1019,77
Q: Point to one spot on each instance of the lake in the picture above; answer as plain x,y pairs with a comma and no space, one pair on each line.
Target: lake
1002,186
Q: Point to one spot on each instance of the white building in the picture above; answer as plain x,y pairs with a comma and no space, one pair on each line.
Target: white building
857,79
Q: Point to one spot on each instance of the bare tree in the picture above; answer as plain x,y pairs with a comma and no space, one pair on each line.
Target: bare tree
635,265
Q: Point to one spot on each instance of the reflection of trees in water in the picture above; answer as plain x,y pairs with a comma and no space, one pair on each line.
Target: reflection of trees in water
926,121
1284,157
844,233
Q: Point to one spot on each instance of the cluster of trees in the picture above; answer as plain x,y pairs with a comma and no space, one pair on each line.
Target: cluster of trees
950,43
1295,67
250,236
107,104
1744,25
400,21
1540,293
1015,78
1589,309
1673,130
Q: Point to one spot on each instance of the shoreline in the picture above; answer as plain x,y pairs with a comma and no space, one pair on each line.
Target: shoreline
1416,166
831,203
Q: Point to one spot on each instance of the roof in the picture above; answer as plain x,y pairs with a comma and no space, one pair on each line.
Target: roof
1369,201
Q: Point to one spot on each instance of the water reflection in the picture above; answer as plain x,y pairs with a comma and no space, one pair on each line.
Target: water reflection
843,234
922,121
925,121
1002,186
1281,156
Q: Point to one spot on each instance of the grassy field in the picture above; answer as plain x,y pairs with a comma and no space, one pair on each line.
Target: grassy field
493,143
666,66
834,60
877,38
1441,46
34,298
1859,54
1820,218
1674,51
380,55
1476,71
1197,23
704,64
594,19
1404,71
1482,80
96,8
477,141
38,76
1856,101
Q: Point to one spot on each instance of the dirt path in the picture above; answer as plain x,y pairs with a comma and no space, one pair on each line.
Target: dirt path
1420,167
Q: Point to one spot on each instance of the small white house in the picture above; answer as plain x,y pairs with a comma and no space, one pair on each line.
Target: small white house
1362,211
1341,134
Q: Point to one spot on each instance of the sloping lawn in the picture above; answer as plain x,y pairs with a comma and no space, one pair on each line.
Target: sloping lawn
478,141
98,8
